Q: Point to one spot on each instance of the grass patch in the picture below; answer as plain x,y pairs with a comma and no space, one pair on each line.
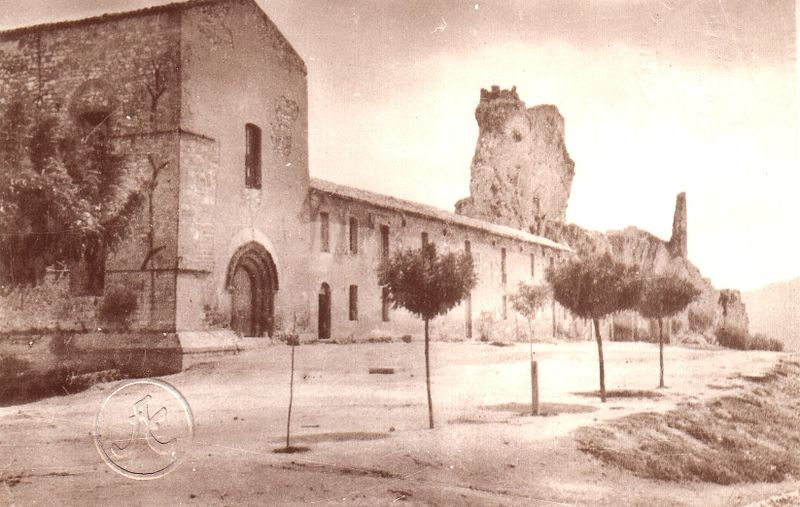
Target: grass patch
622,393
752,437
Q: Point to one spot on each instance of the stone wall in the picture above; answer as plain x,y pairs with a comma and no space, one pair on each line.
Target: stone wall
126,68
114,63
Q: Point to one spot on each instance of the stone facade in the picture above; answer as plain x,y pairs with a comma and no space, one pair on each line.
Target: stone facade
208,103
107,66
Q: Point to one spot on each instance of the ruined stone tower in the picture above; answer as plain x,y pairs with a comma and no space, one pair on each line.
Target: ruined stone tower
678,242
521,173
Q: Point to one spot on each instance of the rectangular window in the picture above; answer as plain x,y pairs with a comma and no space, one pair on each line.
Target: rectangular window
252,158
504,308
384,241
324,232
467,247
353,235
424,238
533,266
385,304
354,302
503,274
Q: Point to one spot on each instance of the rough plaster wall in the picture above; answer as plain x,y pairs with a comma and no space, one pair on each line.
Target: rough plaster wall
339,268
238,69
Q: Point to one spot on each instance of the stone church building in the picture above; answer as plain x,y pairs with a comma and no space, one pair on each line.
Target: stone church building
207,101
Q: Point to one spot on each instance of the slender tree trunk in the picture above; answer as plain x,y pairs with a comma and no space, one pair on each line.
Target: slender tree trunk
534,397
661,352
600,358
291,397
428,374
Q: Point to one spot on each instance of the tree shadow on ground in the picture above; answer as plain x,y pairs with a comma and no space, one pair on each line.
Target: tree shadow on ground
622,393
292,449
315,438
545,409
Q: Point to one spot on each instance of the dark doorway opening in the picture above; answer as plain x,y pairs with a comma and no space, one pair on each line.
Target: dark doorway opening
252,281
324,328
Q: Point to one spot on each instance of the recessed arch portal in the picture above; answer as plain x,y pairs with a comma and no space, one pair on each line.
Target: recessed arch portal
252,281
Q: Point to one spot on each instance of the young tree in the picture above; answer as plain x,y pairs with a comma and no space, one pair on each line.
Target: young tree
592,288
61,196
665,296
427,284
527,301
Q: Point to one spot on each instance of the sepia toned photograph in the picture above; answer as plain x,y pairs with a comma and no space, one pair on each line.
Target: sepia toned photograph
380,252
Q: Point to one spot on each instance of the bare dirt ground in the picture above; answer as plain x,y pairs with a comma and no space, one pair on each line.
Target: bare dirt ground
367,434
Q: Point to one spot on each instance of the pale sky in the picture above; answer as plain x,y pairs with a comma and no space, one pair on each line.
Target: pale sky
658,97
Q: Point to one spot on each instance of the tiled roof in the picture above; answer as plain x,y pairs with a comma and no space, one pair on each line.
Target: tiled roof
423,210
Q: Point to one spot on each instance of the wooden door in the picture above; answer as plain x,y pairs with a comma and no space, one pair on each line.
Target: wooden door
242,303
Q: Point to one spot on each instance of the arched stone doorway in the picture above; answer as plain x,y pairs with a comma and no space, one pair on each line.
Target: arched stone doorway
252,281
324,312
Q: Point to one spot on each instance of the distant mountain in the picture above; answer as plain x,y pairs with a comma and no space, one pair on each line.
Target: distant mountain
775,311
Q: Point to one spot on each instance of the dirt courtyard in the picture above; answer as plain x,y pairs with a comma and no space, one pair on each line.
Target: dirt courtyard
367,433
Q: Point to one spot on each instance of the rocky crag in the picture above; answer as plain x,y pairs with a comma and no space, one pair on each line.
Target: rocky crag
521,176
514,177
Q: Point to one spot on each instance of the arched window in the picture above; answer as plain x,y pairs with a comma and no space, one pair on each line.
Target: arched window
252,159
